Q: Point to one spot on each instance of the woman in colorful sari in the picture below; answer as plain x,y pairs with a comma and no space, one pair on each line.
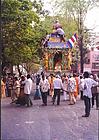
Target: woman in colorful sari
3,86
51,79
71,89
21,98
16,90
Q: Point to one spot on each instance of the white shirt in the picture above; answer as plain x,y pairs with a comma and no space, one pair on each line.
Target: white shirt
58,83
81,83
60,31
45,86
16,84
88,83
28,86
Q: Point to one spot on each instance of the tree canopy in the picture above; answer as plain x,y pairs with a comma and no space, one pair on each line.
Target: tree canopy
23,27
21,30
75,10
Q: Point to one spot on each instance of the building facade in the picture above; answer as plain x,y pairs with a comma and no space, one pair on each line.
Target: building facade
92,61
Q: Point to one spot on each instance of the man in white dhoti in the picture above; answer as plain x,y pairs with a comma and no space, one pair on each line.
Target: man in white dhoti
27,90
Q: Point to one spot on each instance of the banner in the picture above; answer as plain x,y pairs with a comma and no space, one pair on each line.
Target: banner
54,42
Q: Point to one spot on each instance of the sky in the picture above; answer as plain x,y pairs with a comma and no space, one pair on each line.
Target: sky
92,18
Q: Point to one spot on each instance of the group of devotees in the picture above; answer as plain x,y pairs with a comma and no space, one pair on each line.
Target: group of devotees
85,86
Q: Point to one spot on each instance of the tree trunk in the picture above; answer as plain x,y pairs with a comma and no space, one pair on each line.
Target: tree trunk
19,71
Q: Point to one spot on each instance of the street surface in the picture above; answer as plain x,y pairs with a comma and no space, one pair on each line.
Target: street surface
50,122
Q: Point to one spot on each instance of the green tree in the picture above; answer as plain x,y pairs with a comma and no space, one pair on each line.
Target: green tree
69,28
21,31
74,9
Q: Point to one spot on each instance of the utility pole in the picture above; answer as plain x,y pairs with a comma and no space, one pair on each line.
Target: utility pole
81,54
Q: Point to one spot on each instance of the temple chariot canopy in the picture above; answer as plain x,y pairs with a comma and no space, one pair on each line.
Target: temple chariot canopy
55,44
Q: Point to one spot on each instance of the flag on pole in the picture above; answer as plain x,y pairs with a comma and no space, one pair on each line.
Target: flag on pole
71,42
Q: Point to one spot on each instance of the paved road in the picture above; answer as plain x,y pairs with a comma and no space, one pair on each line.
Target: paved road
62,122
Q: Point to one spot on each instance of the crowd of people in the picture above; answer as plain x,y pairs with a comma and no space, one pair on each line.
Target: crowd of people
85,86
